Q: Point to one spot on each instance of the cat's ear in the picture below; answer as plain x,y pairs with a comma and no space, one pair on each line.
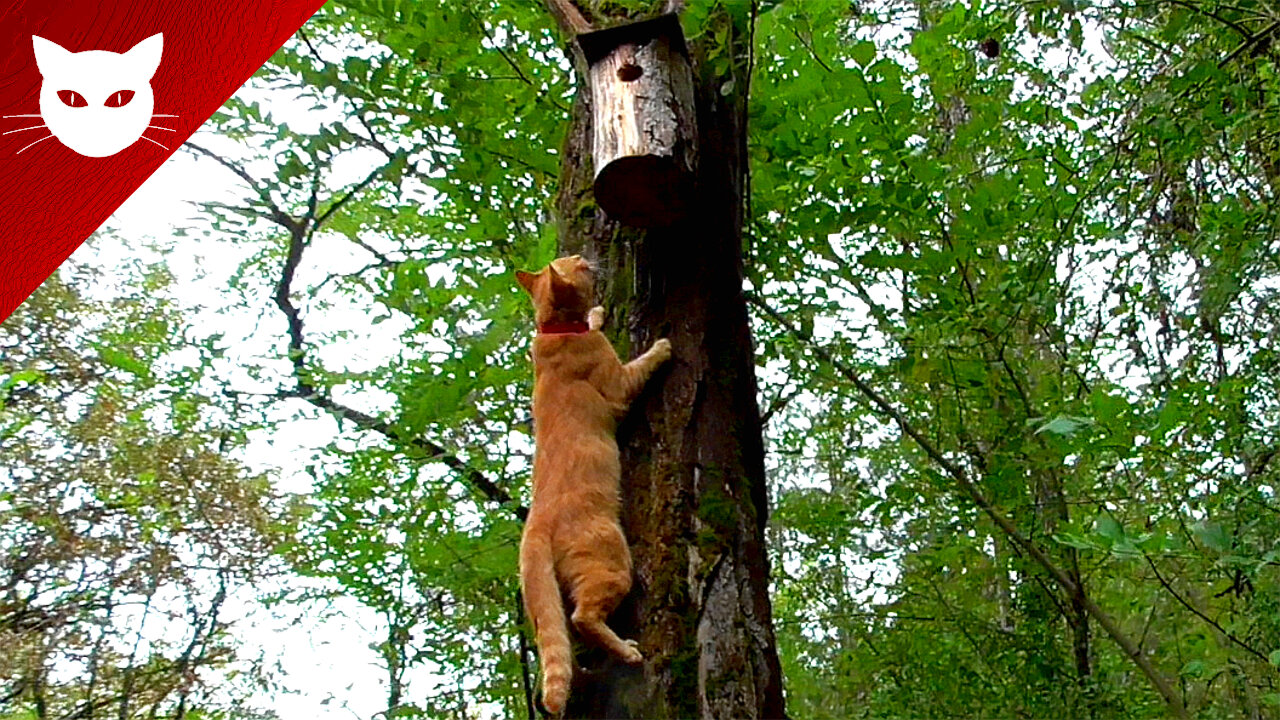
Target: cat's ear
50,56
145,56
557,280
562,290
526,280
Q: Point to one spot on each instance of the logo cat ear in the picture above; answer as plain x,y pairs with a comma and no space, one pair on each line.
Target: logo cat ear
145,56
50,56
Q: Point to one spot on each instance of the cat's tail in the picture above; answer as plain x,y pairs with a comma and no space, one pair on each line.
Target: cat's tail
543,604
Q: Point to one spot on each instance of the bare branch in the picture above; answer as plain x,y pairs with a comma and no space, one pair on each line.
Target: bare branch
359,188
1249,42
297,240
307,41
313,199
431,450
384,263
1211,622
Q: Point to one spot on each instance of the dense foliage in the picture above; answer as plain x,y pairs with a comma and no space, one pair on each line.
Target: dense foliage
126,528
1048,237
1016,281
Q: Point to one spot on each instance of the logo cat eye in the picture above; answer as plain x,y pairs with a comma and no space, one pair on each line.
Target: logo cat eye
120,98
71,98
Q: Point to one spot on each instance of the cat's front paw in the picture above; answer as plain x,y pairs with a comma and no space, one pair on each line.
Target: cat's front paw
631,655
661,350
595,318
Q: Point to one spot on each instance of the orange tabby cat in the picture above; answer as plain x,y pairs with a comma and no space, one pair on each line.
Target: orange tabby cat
572,539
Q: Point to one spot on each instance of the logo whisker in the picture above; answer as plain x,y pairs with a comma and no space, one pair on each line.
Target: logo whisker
33,127
157,127
156,116
46,137
153,142
11,116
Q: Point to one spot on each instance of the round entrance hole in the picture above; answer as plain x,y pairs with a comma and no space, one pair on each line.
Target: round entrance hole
630,73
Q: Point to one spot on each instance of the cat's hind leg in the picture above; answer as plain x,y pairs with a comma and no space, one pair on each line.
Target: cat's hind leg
595,599
598,585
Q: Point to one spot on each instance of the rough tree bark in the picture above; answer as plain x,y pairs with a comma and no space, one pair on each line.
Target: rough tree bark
693,482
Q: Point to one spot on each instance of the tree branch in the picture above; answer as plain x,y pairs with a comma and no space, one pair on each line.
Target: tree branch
276,214
470,475
305,390
1112,628
297,240
1181,600
1249,42
359,188
299,232
1244,32
569,17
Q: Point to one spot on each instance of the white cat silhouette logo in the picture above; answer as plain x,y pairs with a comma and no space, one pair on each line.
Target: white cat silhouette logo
96,102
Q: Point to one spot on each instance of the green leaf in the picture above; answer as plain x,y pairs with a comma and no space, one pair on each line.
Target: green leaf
1064,425
1213,536
863,53
124,361
1107,527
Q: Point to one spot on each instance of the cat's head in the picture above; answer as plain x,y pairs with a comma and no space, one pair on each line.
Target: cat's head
562,290
96,102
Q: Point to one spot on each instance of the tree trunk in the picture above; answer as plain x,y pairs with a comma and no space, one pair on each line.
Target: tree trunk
693,481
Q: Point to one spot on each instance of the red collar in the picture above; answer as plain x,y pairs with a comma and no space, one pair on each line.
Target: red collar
563,328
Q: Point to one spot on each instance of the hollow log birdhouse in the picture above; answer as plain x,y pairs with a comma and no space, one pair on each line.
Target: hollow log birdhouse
643,120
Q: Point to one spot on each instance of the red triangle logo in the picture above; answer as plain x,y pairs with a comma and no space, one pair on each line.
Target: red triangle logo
96,95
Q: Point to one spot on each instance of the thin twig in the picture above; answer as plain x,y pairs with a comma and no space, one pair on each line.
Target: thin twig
1177,596
278,215
359,188
1249,42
